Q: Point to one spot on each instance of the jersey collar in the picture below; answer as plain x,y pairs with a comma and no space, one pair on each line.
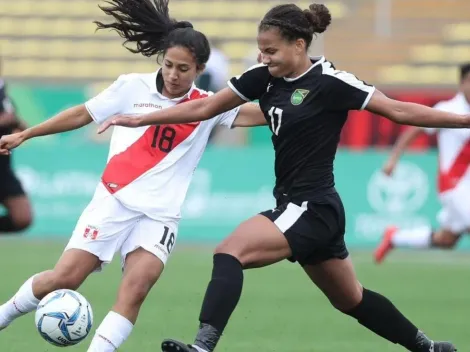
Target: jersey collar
317,60
156,86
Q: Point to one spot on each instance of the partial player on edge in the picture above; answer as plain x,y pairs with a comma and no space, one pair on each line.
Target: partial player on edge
453,181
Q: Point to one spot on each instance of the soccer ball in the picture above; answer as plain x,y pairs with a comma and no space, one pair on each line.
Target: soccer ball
64,318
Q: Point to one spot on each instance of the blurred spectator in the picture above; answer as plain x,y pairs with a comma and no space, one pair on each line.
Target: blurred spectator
213,79
217,73
12,196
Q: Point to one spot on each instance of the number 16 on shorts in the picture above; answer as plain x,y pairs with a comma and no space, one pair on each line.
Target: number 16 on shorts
167,240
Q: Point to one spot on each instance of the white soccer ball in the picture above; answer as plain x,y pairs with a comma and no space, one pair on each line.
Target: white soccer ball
64,318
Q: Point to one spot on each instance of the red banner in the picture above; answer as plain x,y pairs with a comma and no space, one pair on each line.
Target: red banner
365,130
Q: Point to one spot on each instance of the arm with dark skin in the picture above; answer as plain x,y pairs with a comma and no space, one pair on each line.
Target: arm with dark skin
203,109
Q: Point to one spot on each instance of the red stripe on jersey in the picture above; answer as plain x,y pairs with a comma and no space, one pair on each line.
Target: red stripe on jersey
145,153
449,179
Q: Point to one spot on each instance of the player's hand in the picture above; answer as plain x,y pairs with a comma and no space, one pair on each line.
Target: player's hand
389,167
120,120
10,141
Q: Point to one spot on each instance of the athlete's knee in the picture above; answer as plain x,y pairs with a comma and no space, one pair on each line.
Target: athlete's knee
22,222
62,279
347,300
235,251
142,271
11,223
51,280
134,290
226,248
68,275
20,213
445,239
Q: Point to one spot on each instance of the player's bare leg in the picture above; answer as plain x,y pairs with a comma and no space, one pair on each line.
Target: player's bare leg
337,279
141,271
419,238
19,214
71,270
257,242
445,239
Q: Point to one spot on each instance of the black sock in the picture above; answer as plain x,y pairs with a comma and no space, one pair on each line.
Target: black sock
379,315
222,296
7,224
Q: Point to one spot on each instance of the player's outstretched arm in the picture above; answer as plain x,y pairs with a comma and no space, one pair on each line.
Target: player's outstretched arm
415,114
400,146
67,120
192,111
250,115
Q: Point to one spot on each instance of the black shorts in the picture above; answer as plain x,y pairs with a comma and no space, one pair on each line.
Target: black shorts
314,229
10,186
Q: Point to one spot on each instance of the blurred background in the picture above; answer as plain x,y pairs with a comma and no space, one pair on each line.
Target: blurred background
51,59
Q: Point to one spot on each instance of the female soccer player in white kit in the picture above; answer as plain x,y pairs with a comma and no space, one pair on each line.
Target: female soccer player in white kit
453,181
136,207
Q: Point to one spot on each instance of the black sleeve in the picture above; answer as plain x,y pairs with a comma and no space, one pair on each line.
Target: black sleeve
5,103
344,91
252,84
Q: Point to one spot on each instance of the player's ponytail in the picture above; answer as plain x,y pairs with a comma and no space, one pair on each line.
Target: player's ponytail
147,23
319,17
293,23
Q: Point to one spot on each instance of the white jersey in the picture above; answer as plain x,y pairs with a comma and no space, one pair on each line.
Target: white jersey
150,168
454,146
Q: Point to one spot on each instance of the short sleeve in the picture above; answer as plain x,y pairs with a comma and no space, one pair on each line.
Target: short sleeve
344,91
228,118
110,101
252,84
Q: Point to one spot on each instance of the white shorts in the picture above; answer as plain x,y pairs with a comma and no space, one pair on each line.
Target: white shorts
455,213
106,227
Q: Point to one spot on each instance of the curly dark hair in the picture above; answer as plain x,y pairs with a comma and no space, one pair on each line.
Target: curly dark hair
294,23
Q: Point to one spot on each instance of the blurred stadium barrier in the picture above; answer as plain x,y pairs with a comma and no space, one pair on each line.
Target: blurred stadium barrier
229,186
387,42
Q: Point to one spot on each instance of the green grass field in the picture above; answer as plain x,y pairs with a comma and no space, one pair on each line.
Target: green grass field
280,309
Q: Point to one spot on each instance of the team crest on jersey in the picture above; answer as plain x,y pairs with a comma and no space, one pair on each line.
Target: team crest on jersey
298,96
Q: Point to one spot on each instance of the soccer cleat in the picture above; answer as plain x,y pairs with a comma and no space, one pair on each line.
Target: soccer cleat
443,347
176,346
386,245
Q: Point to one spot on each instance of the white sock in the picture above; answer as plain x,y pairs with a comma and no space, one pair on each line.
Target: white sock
21,303
414,238
199,349
112,332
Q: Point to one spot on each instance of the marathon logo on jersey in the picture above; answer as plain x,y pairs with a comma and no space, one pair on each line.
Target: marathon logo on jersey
148,105
90,232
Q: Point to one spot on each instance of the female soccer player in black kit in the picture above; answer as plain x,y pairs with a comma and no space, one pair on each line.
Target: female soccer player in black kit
305,102
12,195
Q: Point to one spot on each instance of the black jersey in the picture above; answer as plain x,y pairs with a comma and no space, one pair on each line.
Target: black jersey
5,106
306,115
